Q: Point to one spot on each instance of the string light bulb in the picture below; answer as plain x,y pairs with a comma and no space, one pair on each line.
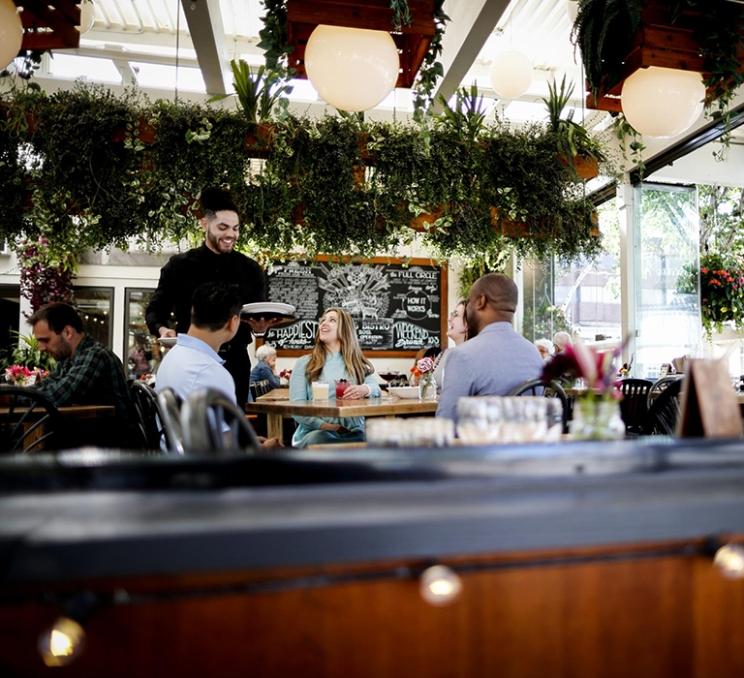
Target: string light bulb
439,585
62,643
729,559
11,32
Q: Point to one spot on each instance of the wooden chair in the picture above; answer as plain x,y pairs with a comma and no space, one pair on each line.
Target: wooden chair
148,422
663,413
549,389
213,423
170,416
633,406
30,421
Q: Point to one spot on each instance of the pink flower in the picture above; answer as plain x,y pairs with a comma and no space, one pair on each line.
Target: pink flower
425,365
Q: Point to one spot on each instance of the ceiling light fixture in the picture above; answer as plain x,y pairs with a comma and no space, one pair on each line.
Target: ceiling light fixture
353,69
11,32
662,102
87,16
511,74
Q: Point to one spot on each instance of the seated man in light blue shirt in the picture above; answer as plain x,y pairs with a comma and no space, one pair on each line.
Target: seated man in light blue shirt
495,359
193,363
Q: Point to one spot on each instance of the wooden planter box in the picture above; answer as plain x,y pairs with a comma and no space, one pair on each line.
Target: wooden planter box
657,43
412,41
585,166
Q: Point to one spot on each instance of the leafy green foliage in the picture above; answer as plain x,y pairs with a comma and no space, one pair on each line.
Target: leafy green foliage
571,138
259,92
28,354
99,170
721,290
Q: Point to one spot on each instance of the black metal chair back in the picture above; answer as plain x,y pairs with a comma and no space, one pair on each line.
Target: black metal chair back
148,423
170,417
664,411
633,406
549,389
29,421
659,386
260,387
212,423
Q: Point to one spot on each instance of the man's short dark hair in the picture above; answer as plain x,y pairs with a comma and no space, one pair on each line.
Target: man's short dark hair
213,200
58,315
213,304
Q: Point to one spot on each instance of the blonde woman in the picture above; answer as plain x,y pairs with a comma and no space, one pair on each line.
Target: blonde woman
336,355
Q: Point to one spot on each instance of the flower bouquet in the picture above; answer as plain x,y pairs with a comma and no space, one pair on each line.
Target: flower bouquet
596,411
424,369
20,375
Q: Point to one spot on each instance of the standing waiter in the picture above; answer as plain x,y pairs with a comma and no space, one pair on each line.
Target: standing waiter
215,260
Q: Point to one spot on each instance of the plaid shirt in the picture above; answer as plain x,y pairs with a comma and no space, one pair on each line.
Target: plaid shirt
92,375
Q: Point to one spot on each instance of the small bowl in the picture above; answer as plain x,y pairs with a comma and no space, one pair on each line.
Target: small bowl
407,392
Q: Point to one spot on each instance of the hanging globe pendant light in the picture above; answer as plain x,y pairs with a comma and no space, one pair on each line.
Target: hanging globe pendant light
662,102
353,69
11,32
87,16
511,74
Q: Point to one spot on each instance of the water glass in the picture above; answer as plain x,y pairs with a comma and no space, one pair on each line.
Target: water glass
508,419
413,432
320,390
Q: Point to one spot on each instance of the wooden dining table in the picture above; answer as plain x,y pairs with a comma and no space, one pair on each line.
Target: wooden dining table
276,406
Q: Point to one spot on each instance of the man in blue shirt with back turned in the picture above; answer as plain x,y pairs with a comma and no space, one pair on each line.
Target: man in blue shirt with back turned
496,359
194,362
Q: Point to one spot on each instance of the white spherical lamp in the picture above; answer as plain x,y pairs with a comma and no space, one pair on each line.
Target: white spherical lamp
511,74
662,102
87,16
11,32
353,69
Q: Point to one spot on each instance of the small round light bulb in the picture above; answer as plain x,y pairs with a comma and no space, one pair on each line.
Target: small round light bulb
62,643
729,559
439,585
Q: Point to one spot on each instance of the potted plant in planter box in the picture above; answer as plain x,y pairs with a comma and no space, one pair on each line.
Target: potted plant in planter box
576,148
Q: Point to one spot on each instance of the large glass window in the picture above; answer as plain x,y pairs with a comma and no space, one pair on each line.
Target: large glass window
140,348
96,306
581,296
665,261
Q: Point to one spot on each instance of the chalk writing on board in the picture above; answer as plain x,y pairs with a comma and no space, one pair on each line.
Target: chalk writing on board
395,307
359,289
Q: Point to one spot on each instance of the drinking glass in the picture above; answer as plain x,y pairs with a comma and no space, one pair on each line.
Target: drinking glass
413,432
320,390
508,419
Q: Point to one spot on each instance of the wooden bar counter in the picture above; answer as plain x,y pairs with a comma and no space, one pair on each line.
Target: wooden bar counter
576,560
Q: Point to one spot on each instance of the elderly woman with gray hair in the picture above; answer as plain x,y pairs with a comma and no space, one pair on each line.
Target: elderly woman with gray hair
265,363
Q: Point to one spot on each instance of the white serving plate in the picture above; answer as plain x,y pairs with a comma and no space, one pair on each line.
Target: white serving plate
264,307
168,342
408,392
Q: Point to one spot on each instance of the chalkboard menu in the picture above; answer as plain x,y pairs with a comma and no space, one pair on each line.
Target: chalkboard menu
398,306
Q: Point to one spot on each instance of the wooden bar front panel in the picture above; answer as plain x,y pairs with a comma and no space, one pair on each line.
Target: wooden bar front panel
669,615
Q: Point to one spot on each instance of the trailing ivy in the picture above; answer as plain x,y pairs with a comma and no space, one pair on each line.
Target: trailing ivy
97,170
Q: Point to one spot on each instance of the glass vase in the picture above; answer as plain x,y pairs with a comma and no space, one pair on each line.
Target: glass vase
427,387
597,418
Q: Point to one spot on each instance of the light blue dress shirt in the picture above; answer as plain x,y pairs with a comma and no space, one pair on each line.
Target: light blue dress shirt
301,389
192,364
494,362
